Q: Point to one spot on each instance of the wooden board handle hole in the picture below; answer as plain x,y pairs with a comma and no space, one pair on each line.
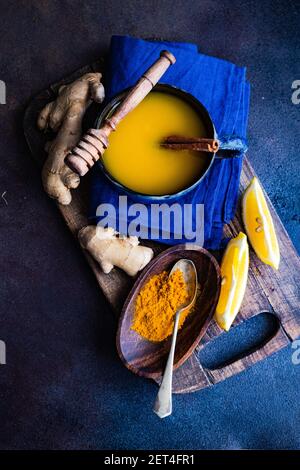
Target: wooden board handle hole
240,341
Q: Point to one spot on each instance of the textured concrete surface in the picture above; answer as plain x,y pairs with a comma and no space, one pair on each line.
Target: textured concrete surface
63,386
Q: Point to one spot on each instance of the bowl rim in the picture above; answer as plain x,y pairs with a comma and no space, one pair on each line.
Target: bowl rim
192,101
142,276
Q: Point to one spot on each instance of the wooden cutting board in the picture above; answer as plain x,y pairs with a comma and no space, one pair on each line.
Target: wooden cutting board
277,293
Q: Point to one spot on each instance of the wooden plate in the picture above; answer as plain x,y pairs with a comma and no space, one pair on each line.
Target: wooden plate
275,292
148,359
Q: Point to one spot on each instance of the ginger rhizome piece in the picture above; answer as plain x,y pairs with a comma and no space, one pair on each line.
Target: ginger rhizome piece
109,249
64,116
157,303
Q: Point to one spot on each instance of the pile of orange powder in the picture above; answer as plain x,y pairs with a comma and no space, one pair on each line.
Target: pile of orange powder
157,303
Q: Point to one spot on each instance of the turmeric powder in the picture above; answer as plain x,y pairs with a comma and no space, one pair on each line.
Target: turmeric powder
157,303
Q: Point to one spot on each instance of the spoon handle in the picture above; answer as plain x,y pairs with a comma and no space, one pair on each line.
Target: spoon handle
163,403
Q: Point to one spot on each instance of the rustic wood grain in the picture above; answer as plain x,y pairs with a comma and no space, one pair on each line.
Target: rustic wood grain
267,291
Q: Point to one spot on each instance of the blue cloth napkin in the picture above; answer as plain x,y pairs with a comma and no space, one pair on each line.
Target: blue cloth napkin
222,87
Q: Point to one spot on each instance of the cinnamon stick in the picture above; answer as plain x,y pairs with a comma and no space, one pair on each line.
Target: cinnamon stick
200,144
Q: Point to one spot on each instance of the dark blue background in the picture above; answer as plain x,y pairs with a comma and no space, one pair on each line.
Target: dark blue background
63,386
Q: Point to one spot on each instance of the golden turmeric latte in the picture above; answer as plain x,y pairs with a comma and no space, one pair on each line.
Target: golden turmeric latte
157,303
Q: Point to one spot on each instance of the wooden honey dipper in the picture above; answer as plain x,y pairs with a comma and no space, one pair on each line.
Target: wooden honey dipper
93,144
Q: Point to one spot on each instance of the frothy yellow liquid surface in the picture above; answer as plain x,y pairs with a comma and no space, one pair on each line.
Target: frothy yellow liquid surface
134,156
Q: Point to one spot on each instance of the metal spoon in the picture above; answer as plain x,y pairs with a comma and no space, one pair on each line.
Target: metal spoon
163,403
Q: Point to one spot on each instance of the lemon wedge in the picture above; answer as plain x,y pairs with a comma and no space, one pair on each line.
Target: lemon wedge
234,272
259,225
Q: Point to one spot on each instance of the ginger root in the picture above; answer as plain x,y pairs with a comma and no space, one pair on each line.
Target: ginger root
65,115
109,249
